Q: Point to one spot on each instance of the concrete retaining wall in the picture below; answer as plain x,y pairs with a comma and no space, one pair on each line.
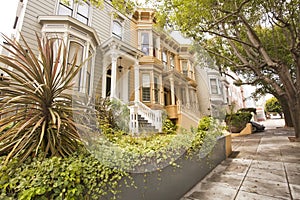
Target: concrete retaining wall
172,183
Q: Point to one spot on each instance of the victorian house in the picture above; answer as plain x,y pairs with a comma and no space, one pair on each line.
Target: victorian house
144,67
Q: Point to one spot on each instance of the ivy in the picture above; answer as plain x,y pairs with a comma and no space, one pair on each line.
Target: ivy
80,176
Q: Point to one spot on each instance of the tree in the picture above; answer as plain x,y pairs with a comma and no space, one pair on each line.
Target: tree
273,105
258,39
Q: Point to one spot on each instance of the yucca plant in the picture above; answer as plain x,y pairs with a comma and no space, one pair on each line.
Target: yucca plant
38,101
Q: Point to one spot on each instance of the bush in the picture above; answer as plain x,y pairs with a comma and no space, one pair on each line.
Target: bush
169,127
237,121
79,176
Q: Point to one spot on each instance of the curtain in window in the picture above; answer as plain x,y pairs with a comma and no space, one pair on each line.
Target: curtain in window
76,49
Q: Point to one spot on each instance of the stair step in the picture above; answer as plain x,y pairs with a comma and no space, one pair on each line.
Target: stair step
145,125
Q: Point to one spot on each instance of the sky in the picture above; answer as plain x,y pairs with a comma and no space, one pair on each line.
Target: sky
8,10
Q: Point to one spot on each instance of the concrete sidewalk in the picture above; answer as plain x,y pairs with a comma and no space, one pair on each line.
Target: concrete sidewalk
263,166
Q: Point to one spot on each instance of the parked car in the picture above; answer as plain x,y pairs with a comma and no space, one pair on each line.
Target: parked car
257,127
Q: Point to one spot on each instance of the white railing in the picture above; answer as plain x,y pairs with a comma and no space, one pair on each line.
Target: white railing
154,117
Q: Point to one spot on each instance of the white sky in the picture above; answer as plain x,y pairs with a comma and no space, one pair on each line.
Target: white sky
8,10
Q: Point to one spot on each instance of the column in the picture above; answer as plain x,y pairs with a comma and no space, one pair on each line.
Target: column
136,81
104,74
114,58
187,97
172,91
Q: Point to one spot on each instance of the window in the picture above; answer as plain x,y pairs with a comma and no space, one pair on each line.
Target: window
146,87
156,89
88,73
76,51
172,61
145,43
117,29
83,12
184,67
155,47
79,11
183,96
214,86
164,58
65,8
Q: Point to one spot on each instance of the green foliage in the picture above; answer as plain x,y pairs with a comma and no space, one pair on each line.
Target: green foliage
205,136
205,123
273,105
42,109
79,176
257,39
237,121
169,127
112,113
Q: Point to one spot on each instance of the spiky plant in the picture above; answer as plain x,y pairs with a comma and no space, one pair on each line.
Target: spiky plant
38,101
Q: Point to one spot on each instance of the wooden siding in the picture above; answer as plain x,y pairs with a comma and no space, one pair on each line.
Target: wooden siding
30,26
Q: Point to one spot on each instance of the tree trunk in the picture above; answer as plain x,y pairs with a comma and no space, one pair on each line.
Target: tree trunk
286,111
295,114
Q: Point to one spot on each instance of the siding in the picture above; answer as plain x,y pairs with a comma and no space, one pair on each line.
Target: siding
98,72
30,24
101,22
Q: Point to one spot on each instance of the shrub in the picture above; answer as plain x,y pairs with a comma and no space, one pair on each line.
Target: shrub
237,121
169,127
42,109
205,123
112,113
79,176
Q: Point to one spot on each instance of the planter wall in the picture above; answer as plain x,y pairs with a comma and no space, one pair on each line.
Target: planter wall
173,183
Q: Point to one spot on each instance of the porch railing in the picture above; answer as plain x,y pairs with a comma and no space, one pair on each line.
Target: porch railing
154,117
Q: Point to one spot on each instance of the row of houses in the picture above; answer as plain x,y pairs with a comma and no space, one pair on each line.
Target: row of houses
148,69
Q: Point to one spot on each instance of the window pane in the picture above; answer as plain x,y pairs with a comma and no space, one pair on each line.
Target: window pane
146,87
117,29
172,65
82,19
76,50
146,94
213,85
145,43
83,12
156,90
65,10
184,67
88,75
83,9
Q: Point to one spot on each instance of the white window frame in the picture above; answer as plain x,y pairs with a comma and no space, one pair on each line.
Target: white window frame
74,8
